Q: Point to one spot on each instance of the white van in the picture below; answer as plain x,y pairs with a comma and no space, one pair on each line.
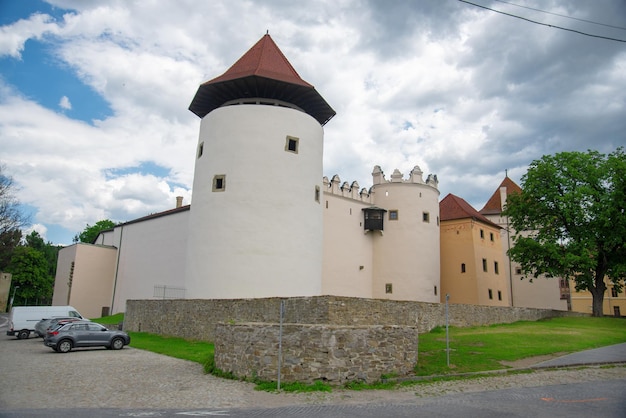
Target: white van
22,319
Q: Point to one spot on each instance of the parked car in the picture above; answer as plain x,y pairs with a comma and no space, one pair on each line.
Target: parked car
42,326
84,334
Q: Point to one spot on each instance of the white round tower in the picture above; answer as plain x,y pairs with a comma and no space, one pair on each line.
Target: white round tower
256,220
406,253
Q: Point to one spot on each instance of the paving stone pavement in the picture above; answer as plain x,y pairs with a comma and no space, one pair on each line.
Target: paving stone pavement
34,376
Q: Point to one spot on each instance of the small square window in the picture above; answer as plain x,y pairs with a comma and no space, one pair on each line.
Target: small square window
291,144
388,288
426,217
518,270
219,182
393,215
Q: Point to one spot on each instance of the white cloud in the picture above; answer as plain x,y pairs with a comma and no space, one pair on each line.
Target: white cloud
459,91
65,103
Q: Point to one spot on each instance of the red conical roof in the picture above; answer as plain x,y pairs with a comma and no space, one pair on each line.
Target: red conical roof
262,72
495,203
264,59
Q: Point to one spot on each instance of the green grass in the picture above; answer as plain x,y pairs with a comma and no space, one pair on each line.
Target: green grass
484,348
472,350
110,320
197,351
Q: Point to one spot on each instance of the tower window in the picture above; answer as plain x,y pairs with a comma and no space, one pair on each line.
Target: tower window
435,290
291,144
462,267
426,217
219,182
484,264
393,215
200,149
317,194
388,288
490,294
496,268
482,233
499,295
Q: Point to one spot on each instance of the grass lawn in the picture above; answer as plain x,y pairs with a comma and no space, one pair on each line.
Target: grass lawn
483,348
471,349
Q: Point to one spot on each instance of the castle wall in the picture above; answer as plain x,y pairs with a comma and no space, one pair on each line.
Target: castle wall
347,266
330,353
197,318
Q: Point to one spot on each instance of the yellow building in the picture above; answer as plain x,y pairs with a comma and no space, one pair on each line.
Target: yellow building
614,302
472,263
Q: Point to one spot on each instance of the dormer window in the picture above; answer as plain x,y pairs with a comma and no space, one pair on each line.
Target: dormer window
374,218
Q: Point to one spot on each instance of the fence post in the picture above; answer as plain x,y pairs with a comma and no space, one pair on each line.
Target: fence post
280,340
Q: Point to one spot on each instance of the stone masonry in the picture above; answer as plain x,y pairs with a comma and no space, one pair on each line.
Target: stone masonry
330,353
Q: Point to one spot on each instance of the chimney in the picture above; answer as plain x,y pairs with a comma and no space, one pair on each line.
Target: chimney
179,201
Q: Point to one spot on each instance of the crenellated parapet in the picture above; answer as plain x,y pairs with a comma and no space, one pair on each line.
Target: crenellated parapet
345,189
415,176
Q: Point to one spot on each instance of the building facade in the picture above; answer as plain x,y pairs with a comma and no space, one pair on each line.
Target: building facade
264,222
540,292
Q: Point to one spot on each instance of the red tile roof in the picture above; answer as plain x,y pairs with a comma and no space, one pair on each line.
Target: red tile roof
494,204
262,72
264,59
453,207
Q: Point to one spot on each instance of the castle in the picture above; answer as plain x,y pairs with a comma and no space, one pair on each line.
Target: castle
299,235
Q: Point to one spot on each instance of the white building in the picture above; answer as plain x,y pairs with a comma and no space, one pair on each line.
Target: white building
264,221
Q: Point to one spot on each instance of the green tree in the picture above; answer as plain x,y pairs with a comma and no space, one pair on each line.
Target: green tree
90,233
30,272
49,251
12,220
571,222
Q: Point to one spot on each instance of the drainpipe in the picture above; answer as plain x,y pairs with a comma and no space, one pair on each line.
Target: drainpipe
117,267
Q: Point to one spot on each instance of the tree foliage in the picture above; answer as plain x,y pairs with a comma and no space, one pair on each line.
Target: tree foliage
90,233
570,220
11,218
30,272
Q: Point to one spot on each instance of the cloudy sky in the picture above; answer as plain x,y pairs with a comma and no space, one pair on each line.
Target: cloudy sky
94,94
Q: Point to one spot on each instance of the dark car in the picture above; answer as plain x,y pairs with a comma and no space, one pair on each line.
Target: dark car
42,326
84,334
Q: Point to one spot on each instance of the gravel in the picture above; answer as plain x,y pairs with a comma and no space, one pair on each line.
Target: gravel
34,376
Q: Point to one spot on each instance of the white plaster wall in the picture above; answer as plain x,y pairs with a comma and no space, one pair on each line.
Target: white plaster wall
347,268
152,252
542,293
262,236
407,253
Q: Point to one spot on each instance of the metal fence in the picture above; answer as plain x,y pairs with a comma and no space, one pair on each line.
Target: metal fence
169,292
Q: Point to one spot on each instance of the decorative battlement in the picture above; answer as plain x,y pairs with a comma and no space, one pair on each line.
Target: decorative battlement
351,190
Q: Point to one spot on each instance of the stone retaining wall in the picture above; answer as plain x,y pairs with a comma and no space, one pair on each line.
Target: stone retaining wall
330,353
197,318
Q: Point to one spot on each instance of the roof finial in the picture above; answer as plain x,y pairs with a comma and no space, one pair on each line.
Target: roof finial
506,172
267,31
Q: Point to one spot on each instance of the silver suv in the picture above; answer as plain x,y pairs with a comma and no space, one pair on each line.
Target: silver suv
84,334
